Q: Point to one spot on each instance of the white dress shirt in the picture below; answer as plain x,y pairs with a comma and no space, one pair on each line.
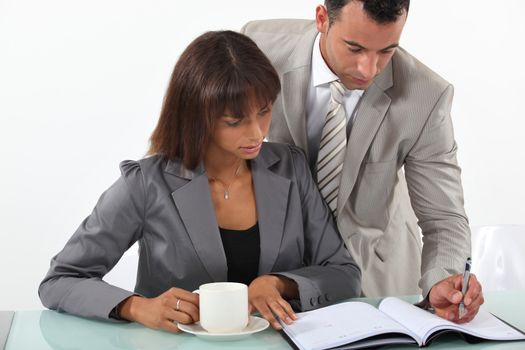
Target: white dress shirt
318,101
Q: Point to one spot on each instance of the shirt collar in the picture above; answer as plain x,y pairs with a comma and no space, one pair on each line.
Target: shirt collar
321,73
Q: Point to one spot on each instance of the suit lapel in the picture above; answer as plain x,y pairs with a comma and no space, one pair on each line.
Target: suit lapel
193,201
371,112
271,193
295,87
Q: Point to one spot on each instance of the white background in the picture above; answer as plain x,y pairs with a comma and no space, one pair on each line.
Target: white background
82,82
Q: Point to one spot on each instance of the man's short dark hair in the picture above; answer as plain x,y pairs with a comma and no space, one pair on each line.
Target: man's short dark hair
219,72
381,11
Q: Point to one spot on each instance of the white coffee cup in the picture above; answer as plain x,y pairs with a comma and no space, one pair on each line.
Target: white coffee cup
223,307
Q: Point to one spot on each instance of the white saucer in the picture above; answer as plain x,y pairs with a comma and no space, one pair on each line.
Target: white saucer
255,324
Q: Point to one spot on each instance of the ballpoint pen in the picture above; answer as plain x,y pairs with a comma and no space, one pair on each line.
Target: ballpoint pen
464,287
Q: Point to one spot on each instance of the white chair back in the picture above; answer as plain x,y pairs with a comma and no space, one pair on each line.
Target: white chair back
498,256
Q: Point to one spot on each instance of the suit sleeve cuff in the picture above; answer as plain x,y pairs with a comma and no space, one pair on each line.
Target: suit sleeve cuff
310,296
430,278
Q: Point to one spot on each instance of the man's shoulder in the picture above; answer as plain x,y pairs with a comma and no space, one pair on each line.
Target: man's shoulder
285,41
410,69
415,90
275,26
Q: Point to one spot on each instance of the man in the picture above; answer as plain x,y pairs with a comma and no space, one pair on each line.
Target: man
375,124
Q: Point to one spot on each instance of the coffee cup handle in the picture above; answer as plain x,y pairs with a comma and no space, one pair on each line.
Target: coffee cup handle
196,291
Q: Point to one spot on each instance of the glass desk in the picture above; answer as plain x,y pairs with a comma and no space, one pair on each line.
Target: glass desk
46,329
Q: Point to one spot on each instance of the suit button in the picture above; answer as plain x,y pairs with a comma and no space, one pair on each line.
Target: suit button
313,302
327,297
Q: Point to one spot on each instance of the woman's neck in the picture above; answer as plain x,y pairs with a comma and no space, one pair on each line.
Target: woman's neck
221,168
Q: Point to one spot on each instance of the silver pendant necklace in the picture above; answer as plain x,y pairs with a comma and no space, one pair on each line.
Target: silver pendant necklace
225,186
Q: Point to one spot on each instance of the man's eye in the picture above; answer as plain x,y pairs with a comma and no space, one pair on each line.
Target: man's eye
355,50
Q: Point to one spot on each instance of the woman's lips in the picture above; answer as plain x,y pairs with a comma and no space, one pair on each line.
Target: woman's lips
252,149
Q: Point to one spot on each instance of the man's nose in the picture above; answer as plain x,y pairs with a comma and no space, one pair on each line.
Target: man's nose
367,66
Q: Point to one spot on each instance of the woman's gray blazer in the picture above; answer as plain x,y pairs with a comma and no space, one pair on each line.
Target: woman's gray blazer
169,210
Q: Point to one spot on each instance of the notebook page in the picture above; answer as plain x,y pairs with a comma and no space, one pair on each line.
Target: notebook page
339,324
424,323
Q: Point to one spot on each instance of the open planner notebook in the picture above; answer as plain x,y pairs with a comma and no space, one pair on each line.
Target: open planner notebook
355,325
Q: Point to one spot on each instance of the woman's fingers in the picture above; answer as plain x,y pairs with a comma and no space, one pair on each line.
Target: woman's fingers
190,297
265,294
283,310
188,309
170,326
184,302
177,316
175,306
288,309
267,314
271,308
164,311
177,293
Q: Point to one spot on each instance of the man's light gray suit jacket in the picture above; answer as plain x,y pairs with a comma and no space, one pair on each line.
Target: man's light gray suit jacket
403,120
169,210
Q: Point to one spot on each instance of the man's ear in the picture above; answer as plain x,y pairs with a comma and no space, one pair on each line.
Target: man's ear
321,19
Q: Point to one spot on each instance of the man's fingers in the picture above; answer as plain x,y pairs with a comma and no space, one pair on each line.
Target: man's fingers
469,316
474,290
452,291
473,308
478,301
446,292
451,295
447,313
457,281
446,296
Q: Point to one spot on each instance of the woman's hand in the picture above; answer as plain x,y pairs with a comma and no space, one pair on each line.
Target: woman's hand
163,312
265,294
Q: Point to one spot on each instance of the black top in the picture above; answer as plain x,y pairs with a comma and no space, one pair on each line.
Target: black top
242,249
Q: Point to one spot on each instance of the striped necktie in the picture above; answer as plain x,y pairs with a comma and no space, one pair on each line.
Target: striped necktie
332,147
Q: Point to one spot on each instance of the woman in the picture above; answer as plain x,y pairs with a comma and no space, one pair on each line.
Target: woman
211,203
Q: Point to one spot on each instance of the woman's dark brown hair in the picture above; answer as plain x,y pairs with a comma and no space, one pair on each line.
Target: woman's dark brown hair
218,72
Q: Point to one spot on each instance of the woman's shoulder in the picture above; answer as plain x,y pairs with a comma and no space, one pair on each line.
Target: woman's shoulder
285,157
284,149
147,166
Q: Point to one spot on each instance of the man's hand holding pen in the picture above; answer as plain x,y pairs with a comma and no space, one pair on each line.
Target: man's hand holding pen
456,293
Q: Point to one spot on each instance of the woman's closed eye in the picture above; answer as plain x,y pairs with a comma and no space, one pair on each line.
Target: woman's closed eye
264,111
231,121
